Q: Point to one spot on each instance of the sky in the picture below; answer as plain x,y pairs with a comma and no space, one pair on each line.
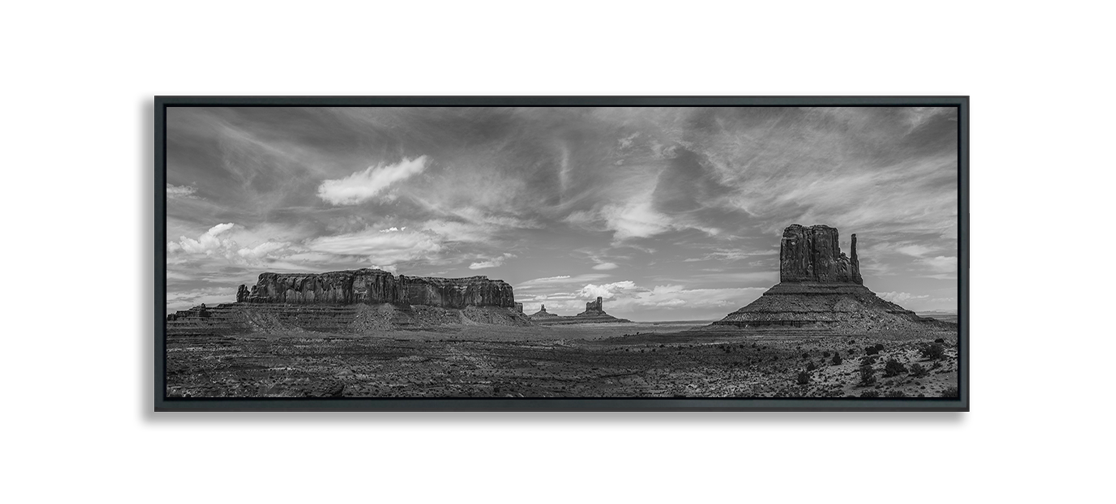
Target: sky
668,213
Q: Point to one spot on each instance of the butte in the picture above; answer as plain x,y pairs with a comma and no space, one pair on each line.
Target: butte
822,289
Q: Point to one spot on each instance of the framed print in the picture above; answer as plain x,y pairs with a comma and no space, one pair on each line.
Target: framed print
561,253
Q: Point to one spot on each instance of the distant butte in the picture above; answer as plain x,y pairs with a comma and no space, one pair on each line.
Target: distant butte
821,288
594,313
353,301
542,313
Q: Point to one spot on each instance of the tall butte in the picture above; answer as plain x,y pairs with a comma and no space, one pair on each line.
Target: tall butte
821,288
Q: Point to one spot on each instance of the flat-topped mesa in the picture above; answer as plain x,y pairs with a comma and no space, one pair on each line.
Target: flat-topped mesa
813,254
374,286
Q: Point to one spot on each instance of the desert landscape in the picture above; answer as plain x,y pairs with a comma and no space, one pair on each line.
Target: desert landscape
370,333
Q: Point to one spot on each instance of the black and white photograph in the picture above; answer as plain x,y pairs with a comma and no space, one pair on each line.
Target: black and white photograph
534,252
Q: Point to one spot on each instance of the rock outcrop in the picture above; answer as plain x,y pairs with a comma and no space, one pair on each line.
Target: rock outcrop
594,313
373,286
353,301
821,288
542,313
813,254
593,309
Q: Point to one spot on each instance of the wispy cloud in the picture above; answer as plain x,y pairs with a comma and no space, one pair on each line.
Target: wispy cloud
377,247
181,192
491,263
365,185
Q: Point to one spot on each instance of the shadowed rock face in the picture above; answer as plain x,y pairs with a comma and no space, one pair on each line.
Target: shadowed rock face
813,254
373,286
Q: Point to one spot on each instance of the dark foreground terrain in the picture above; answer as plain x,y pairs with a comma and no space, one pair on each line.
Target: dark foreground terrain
605,360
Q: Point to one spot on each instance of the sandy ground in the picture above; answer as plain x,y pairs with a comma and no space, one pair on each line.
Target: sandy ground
593,360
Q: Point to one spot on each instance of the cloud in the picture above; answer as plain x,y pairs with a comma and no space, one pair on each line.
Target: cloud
491,263
637,219
181,192
660,302
262,250
606,291
605,266
365,185
377,247
561,280
940,267
914,250
208,243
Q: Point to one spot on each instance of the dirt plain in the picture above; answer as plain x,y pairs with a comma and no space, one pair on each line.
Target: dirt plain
674,359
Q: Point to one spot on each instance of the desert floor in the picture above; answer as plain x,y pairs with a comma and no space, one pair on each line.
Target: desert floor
604,360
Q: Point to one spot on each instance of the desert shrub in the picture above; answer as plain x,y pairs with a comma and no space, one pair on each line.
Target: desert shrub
811,366
933,352
896,393
825,354
939,340
806,355
803,378
951,392
874,349
836,358
867,374
894,368
869,393
918,371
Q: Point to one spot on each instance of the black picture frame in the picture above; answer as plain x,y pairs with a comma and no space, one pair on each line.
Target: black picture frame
163,403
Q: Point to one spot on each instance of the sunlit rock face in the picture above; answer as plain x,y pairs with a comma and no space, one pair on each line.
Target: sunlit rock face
373,286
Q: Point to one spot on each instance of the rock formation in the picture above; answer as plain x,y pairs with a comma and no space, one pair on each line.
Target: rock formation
542,313
353,301
594,313
373,286
593,309
814,254
820,288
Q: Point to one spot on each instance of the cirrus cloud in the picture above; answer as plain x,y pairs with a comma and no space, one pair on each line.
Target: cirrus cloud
365,185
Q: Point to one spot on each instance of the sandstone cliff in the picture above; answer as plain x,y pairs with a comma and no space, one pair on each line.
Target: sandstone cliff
373,286
821,288
813,254
354,301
